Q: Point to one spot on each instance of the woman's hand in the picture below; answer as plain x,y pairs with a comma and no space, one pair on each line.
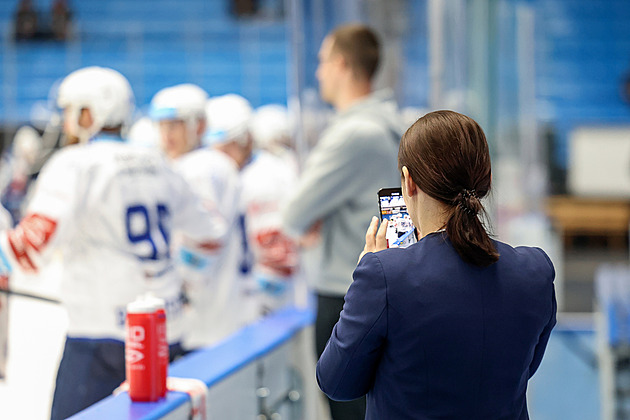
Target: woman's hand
375,240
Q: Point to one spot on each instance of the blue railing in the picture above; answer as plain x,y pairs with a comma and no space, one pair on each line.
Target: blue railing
212,366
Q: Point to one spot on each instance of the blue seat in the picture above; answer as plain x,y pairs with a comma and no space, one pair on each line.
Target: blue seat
155,43
583,53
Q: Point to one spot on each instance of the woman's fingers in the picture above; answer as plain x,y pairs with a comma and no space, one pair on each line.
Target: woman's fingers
381,241
375,239
370,235
370,238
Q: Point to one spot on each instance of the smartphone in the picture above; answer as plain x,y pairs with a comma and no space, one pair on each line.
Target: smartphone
400,230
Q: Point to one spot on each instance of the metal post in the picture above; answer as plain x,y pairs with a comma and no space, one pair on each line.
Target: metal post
296,72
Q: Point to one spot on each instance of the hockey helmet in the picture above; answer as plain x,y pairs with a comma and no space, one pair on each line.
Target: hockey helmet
271,125
104,91
185,102
229,117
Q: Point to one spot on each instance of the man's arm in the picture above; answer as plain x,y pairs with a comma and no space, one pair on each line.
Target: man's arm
332,176
199,220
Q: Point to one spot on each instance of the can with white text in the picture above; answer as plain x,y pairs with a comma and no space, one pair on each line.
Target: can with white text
145,324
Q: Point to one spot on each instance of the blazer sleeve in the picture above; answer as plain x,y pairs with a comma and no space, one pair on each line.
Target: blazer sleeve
346,368
544,336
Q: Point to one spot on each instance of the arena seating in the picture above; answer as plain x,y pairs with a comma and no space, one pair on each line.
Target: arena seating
583,51
155,43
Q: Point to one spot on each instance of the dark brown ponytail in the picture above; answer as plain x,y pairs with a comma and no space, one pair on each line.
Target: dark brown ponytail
447,156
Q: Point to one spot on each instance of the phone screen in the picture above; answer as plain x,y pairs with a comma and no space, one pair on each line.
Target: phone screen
400,229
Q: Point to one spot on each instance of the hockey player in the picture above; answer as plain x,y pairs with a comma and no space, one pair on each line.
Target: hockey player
272,131
211,279
17,170
144,133
179,112
111,210
270,256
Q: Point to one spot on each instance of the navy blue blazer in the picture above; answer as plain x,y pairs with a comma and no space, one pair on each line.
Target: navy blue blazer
427,336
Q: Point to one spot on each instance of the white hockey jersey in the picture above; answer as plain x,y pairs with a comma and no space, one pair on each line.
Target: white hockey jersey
111,209
266,182
212,281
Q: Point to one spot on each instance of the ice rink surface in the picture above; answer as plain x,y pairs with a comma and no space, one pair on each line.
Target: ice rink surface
36,337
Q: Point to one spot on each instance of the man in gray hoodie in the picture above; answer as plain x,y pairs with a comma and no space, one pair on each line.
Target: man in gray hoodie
336,195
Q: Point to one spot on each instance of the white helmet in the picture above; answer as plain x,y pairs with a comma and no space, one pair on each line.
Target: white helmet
144,133
271,125
229,117
27,145
185,102
105,92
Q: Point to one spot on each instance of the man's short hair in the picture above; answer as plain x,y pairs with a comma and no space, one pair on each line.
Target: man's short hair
360,47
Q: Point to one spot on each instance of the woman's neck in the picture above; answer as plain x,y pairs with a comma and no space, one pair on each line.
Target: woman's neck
433,216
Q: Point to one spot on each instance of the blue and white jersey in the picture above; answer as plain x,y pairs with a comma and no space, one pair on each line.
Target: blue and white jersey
111,209
212,279
267,180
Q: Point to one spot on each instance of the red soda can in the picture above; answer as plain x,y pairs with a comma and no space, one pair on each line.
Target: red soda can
142,346
163,352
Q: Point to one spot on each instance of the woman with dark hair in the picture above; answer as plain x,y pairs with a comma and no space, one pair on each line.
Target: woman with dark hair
453,326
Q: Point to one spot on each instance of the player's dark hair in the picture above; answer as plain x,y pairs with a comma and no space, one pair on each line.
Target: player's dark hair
360,47
447,156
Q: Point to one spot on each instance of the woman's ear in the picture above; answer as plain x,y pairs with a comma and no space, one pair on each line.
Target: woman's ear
408,185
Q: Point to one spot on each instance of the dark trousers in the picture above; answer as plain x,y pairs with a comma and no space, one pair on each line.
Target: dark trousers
328,309
89,371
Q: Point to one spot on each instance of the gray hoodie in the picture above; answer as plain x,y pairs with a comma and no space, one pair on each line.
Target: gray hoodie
354,158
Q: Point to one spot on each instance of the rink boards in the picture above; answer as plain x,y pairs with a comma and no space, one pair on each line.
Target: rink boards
257,370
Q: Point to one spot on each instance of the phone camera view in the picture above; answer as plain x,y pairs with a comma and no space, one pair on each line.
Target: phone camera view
400,229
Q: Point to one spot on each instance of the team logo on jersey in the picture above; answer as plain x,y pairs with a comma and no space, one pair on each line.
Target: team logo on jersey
276,251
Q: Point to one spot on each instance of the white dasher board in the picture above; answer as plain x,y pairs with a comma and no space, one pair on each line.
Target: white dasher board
599,161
